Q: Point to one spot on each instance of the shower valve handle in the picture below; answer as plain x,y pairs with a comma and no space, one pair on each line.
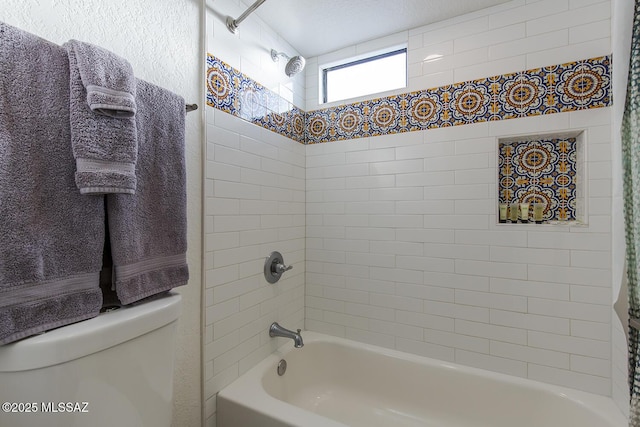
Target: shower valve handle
281,268
274,266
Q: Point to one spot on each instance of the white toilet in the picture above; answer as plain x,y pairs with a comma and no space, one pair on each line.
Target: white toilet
112,370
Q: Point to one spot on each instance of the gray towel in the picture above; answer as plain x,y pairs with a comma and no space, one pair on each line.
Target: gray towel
107,78
103,127
51,237
148,230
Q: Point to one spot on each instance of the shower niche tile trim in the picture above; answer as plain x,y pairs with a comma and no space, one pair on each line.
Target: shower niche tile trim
547,170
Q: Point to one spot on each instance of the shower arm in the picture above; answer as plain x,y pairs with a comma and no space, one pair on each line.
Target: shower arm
275,55
232,24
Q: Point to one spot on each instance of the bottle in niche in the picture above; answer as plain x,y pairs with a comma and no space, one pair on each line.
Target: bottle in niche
502,210
513,213
524,212
538,212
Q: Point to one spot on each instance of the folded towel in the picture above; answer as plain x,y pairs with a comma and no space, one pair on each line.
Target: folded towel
148,230
51,237
103,127
108,79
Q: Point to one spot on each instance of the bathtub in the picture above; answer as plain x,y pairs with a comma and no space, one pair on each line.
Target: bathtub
333,382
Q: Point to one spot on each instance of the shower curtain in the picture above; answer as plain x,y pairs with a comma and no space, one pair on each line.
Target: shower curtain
631,188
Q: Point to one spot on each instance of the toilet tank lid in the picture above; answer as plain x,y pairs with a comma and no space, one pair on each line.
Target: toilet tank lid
89,336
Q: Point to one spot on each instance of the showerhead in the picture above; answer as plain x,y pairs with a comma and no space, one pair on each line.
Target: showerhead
294,65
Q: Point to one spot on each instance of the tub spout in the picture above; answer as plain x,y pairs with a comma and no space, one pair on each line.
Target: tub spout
278,331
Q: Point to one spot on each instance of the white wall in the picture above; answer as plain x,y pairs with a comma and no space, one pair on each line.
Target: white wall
161,40
403,249
254,204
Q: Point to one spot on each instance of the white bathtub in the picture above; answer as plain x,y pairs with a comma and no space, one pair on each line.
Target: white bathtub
333,382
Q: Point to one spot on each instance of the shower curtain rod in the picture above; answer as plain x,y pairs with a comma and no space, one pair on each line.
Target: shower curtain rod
232,24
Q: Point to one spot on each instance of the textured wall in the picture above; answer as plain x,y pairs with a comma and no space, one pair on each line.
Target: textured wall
161,39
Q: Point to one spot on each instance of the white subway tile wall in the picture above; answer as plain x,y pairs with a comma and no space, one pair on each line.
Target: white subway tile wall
394,238
254,203
529,300
416,261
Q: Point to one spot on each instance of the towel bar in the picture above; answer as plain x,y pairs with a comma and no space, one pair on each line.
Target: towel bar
191,107
635,323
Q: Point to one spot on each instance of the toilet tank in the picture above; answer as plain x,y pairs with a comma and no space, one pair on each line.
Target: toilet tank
113,370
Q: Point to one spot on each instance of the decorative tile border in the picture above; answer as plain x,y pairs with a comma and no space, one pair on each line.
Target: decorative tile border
540,171
554,89
235,93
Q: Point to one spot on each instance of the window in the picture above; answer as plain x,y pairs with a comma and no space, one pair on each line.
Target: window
372,74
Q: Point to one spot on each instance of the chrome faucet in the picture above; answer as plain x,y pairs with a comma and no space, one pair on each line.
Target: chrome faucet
278,331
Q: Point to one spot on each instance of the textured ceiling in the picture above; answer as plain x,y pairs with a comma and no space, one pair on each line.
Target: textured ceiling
314,27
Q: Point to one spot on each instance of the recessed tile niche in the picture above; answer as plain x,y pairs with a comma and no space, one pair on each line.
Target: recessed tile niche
547,170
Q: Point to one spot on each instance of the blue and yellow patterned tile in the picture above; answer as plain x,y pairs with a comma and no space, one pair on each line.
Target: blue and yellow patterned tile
403,104
349,121
249,97
384,116
402,101
494,89
445,118
362,109
506,172
263,122
534,91
409,99
510,97
296,125
318,124
540,171
572,86
271,100
550,76
596,82
482,93
470,103
523,95
327,117
275,122
552,89
221,93
506,181
424,110
443,94
332,134
455,93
